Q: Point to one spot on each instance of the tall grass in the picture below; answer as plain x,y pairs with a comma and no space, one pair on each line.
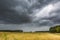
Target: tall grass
29,36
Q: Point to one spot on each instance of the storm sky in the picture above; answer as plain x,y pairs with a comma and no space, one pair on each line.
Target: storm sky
29,15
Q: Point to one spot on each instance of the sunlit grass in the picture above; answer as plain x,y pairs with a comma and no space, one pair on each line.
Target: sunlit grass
29,36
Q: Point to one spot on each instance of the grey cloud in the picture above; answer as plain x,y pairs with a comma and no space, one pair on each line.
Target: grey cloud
45,23
38,4
22,11
12,11
9,14
54,17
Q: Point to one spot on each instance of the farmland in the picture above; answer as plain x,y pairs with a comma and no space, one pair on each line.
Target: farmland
29,36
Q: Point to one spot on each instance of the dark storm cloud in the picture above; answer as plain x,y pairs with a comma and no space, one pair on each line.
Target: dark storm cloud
38,4
45,23
23,12
56,19
48,18
55,15
17,11
9,14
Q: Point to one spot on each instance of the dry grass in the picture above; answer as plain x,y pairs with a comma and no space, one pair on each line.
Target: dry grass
28,36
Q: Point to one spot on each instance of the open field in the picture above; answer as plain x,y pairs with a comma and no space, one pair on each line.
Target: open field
29,36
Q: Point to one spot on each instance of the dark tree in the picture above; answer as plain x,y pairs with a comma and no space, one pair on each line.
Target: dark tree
55,29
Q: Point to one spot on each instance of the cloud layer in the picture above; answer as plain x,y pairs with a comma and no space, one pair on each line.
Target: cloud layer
49,12
14,11
33,14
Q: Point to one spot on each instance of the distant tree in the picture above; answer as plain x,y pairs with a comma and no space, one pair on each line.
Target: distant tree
58,29
18,30
55,29
52,29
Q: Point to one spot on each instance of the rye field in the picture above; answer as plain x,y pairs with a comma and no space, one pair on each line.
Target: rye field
29,36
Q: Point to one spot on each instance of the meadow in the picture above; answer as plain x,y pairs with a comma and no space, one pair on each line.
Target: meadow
29,36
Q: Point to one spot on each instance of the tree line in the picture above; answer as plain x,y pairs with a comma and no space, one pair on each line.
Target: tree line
55,29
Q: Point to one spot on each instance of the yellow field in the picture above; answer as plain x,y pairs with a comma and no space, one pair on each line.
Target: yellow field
29,36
